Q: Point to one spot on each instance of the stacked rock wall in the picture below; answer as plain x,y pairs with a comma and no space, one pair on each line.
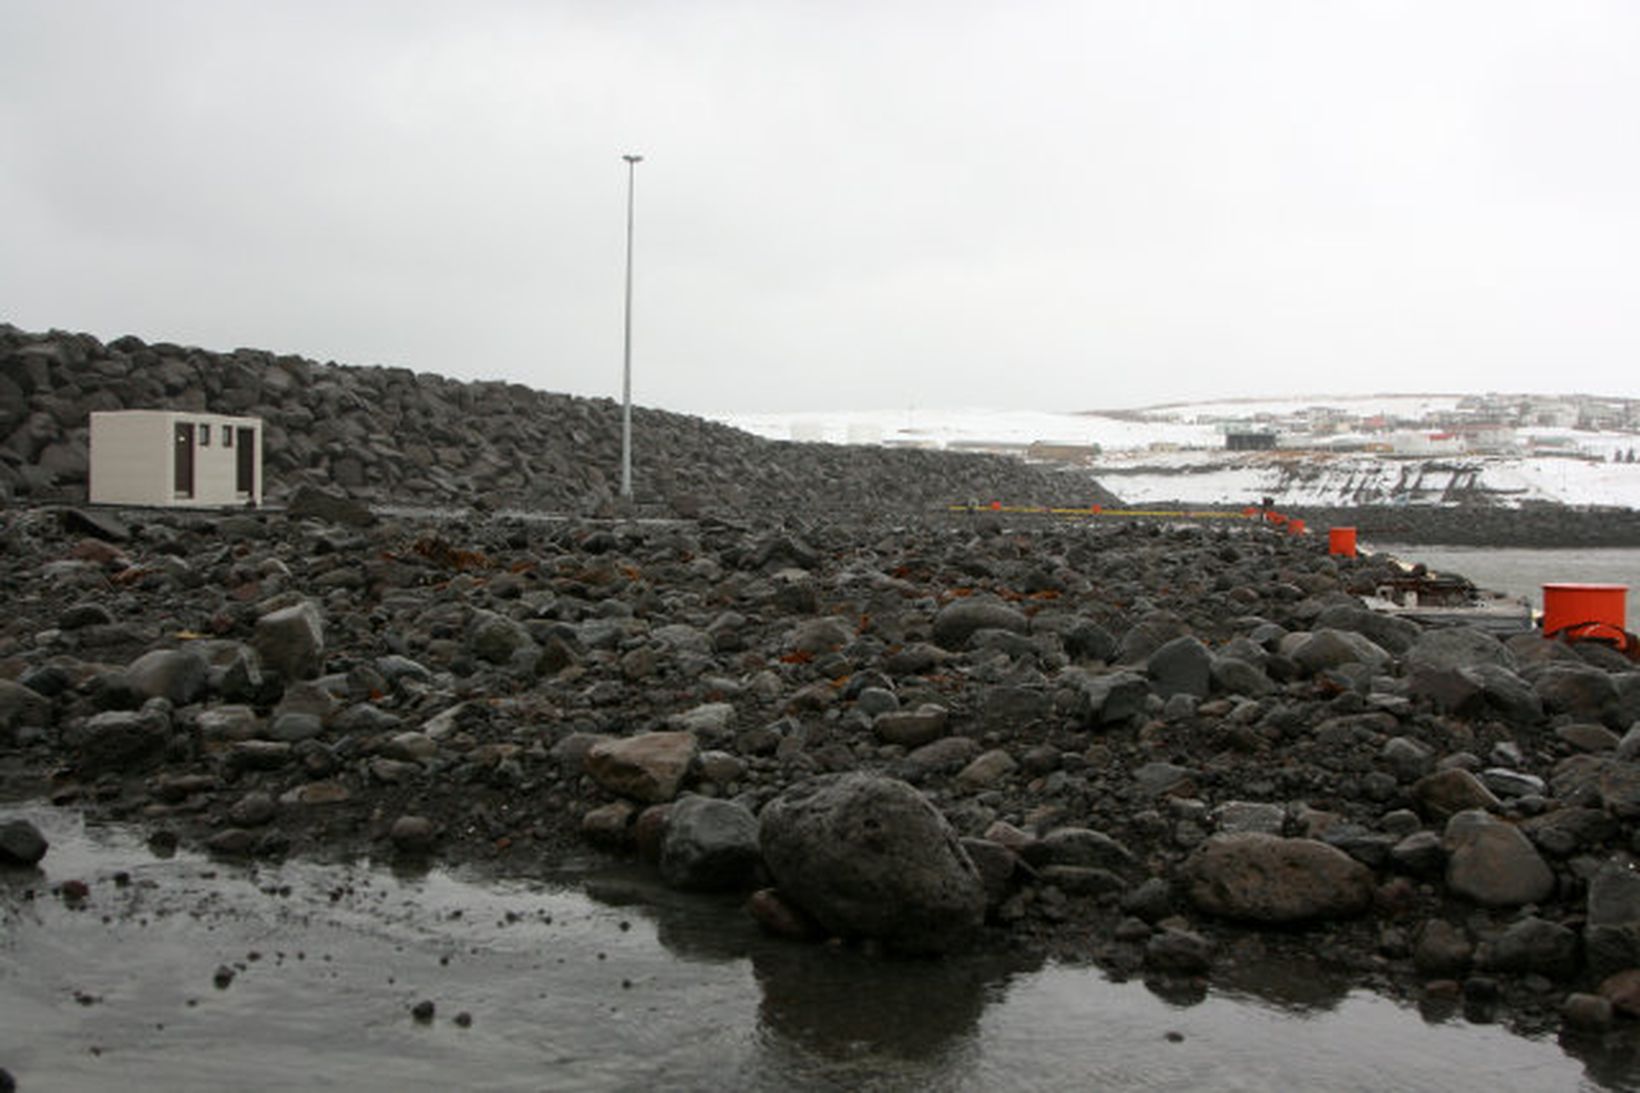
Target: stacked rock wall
392,436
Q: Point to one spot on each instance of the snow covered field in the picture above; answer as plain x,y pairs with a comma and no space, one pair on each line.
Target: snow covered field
1169,454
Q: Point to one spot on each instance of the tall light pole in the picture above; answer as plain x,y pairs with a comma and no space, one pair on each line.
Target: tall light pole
626,363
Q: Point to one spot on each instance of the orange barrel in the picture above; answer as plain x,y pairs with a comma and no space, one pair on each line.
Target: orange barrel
1585,610
1295,526
1341,541
1249,511
996,506
1276,518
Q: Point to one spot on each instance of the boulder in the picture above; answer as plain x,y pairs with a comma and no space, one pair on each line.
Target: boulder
1182,666
21,843
1611,935
20,705
958,621
1270,879
1078,846
1456,647
178,675
649,768
912,728
1491,863
709,845
291,641
495,638
1148,635
118,740
1109,699
1533,946
869,856
1317,651
1395,635
1583,692
1448,792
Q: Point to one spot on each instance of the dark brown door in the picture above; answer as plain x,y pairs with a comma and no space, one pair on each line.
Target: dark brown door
245,461
182,461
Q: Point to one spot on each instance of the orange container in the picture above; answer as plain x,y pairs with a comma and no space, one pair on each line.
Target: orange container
1295,526
1341,541
1585,610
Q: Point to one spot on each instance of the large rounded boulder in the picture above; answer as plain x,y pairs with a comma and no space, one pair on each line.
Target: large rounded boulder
867,856
1269,879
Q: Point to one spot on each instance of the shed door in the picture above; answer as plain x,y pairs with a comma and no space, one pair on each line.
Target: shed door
245,461
182,460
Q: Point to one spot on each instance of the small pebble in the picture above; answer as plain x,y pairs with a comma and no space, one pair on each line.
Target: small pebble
422,1011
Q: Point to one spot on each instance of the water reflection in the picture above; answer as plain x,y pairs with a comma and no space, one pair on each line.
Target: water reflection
839,1003
642,987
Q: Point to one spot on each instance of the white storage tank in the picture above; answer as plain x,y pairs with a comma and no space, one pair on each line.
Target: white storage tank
175,458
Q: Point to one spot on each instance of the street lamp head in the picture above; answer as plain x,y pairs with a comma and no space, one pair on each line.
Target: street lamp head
633,159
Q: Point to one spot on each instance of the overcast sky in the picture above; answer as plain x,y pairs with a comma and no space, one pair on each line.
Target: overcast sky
843,205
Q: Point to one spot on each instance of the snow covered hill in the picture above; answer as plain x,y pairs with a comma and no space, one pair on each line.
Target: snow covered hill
1332,451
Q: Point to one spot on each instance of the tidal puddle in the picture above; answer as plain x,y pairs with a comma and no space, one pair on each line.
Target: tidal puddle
186,973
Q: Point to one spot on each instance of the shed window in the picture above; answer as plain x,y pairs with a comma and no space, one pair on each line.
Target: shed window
227,436
204,436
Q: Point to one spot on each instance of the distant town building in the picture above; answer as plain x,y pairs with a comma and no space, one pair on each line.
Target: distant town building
1250,440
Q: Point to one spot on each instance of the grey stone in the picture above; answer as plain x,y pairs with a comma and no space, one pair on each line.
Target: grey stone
1442,949
1179,951
1265,878
650,767
1420,854
21,843
1533,946
178,675
20,705
1491,863
1079,846
1584,693
1239,817
1395,635
709,845
1110,699
1181,666
1447,792
912,728
957,621
869,856
291,641
118,740
496,638
1320,650
1455,647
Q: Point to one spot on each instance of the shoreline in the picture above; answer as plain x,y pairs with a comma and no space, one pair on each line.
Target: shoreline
1055,691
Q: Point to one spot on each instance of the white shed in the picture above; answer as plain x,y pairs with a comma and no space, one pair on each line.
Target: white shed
175,458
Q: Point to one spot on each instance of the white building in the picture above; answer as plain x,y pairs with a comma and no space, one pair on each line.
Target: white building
175,458
1427,444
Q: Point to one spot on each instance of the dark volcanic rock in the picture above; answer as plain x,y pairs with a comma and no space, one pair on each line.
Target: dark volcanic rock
870,857
709,845
21,843
1265,878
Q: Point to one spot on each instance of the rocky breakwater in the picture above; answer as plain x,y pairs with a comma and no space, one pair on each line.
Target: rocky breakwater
392,436
1483,525
1169,750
